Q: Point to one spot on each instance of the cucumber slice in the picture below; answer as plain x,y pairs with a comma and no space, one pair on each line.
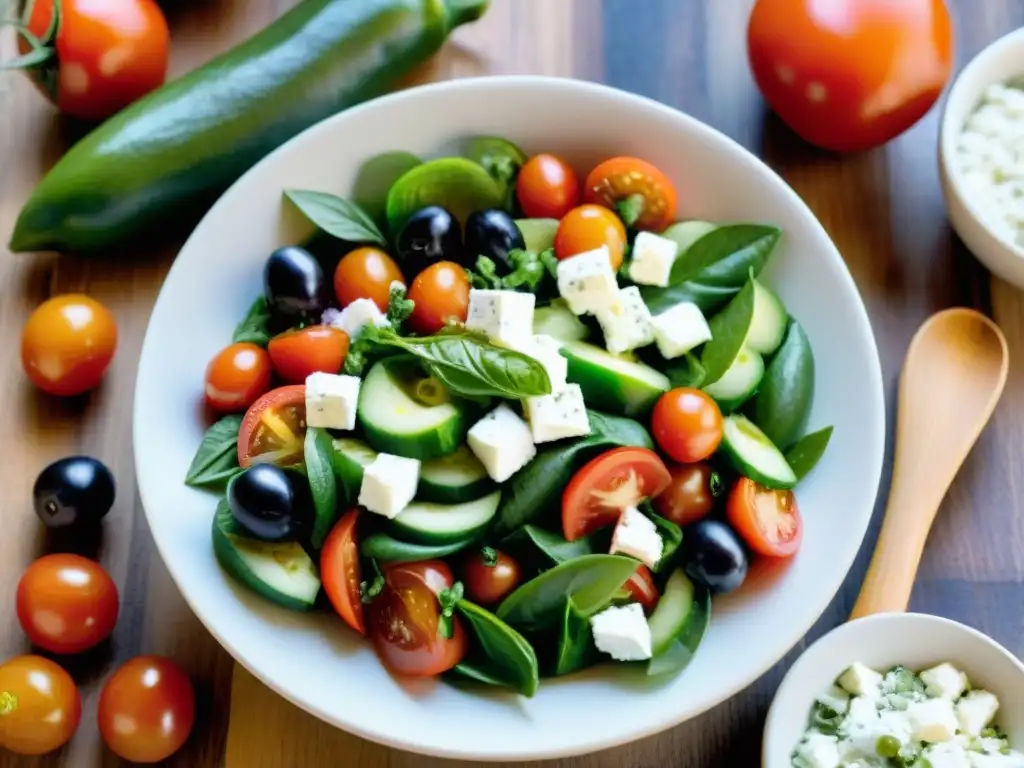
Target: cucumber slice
611,383
754,455
350,458
674,610
538,234
768,325
558,321
395,422
454,479
281,572
739,382
686,233
425,523
458,185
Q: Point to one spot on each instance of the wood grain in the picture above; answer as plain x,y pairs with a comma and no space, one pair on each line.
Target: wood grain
882,208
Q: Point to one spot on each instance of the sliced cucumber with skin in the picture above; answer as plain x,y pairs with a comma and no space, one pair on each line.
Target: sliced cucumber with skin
351,457
558,321
611,383
754,455
454,479
677,625
458,185
686,233
768,325
538,234
395,422
423,522
739,382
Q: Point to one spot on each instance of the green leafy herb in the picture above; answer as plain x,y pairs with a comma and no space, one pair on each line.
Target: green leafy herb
489,556
449,598
318,455
576,649
785,395
499,653
254,328
399,306
550,261
685,371
729,330
216,461
375,178
368,590
807,452
485,276
528,271
631,209
619,430
336,216
388,549
552,545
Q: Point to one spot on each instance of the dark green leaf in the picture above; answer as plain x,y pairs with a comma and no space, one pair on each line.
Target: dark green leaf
620,430
478,674
216,461
498,651
337,216
785,395
318,455
387,549
685,371
807,451
671,537
375,177
254,329
576,649
552,545
728,333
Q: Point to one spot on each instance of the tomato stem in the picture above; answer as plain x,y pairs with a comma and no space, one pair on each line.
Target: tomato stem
41,49
8,703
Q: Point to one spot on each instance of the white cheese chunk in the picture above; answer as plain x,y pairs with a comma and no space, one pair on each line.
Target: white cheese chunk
622,632
947,755
680,329
819,750
558,415
331,400
932,720
587,281
976,710
860,680
547,351
627,323
389,484
503,443
636,536
835,698
505,317
945,681
653,256
357,315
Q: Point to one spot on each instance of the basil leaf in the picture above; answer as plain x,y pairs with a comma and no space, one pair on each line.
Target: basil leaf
387,549
729,330
255,327
336,216
501,653
478,674
216,461
807,452
685,371
620,430
552,545
318,455
375,177
785,395
576,649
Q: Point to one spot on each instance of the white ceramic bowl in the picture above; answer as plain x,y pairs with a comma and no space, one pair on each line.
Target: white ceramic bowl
915,640
998,63
313,660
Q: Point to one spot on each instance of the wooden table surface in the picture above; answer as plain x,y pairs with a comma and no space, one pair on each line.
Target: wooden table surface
883,209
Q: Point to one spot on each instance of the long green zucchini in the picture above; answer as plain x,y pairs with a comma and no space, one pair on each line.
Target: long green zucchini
168,156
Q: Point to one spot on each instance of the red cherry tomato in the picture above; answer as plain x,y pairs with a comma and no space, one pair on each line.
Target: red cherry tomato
848,75
606,485
298,353
274,428
587,228
644,195
687,424
690,496
768,520
66,603
642,589
236,376
147,710
39,706
441,294
366,273
490,577
547,188
341,573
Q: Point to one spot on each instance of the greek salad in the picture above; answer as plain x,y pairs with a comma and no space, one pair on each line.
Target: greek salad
508,422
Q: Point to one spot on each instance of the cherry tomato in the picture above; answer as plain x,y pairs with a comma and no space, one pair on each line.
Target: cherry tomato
490,577
687,424
66,603
441,294
691,494
39,706
341,573
588,227
298,353
236,376
644,195
108,54
606,485
147,709
366,273
274,428
768,520
642,589
67,344
405,621
848,75
547,188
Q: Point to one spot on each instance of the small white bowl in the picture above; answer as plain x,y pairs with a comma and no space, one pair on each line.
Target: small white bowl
916,641
998,63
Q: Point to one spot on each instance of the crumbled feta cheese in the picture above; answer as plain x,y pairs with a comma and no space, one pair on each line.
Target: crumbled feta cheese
627,323
505,317
653,256
860,680
357,315
947,755
622,632
680,329
819,750
945,681
331,400
503,443
547,351
976,710
558,415
587,281
389,484
932,720
636,536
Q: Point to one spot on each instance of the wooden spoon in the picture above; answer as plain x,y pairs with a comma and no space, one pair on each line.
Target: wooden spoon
952,378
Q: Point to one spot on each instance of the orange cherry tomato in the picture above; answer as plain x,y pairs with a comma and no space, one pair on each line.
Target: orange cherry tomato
66,603
298,353
768,520
641,588
147,709
490,577
587,228
687,424
366,273
236,376
109,53
67,344
39,706
341,573
691,494
441,294
606,485
547,187
274,428
849,75
644,195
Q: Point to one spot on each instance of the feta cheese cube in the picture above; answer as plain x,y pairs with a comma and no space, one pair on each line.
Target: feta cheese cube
503,443
558,415
635,535
653,256
932,720
860,680
627,323
680,329
976,710
622,632
389,484
945,681
358,315
331,400
505,317
587,281
547,351
819,750
947,755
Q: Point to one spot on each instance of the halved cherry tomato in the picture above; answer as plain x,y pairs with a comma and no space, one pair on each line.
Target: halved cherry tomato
319,348
768,520
606,485
341,573
236,376
405,621
39,706
366,273
642,589
547,187
441,294
274,428
637,190
687,424
690,496
490,576
587,228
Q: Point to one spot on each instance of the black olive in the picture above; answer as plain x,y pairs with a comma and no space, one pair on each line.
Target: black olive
714,556
76,491
430,235
273,505
294,285
492,234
